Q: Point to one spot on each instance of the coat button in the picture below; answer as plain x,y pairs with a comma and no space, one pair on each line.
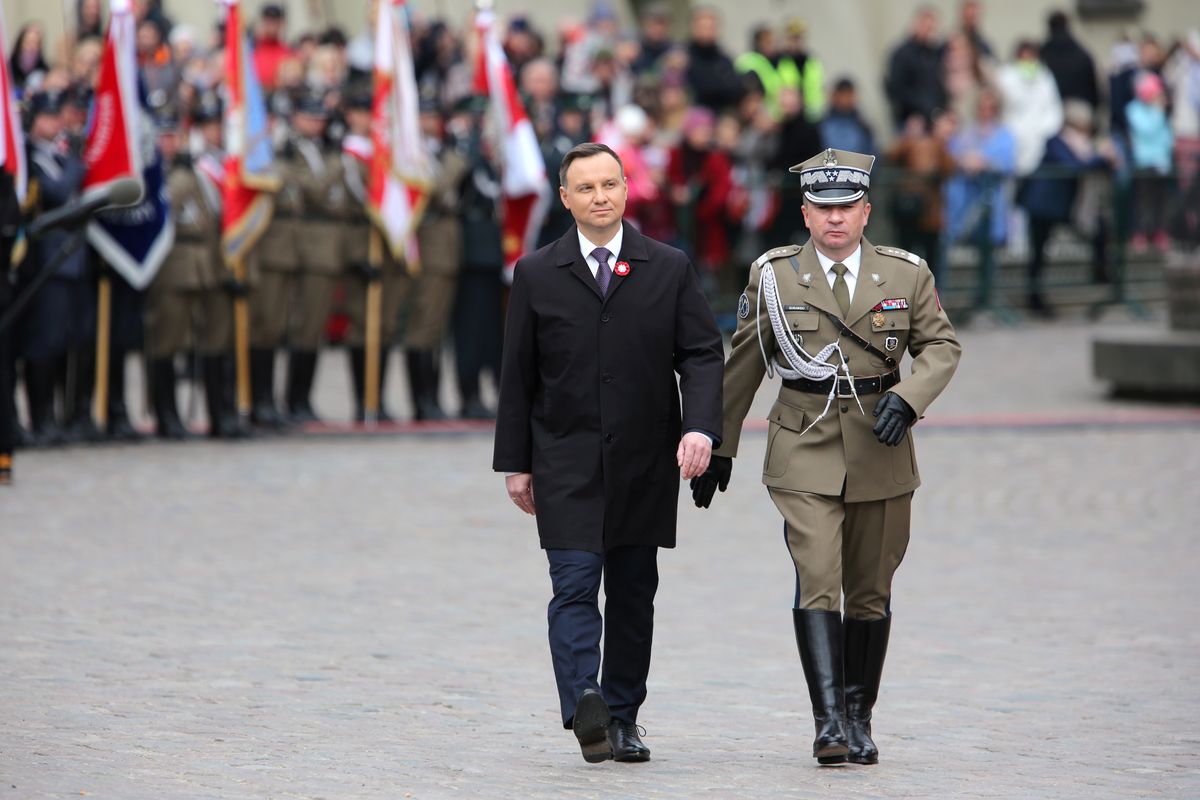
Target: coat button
845,408
604,318
606,378
609,438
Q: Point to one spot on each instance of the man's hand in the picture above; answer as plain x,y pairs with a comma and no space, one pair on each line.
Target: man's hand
715,477
520,490
895,417
695,449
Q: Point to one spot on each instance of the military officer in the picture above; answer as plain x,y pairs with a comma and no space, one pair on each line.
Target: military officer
357,150
317,171
199,266
834,318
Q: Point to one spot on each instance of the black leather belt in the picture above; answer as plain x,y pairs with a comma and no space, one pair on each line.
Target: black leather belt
876,384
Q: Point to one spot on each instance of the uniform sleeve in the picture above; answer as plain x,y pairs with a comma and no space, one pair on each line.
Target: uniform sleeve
58,191
518,382
932,344
699,358
744,369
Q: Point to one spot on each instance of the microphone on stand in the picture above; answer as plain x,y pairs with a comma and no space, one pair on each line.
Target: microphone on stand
119,193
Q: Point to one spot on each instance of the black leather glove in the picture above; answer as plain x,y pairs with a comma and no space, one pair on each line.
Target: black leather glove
366,271
895,417
234,288
715,477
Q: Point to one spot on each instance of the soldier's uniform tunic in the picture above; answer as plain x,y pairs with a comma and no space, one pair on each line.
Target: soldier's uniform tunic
843,494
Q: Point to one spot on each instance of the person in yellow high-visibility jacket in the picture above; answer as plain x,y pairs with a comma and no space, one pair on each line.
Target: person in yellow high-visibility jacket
777,70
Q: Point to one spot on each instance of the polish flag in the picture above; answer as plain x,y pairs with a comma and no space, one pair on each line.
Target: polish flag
112,150
12,140
525,188
249,177
399,178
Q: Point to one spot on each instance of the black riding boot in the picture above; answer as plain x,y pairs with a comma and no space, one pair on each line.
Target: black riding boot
423,381
223,422
44,430
81,378
865,647
358,364
119,427
819,639
167,423
302,368
263,412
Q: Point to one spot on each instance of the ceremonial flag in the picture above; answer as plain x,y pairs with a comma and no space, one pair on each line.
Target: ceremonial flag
525,189
246,204
399,179
12,140
134,241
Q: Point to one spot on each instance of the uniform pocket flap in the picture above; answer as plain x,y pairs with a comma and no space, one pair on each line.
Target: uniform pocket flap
787,416
804,321
892,321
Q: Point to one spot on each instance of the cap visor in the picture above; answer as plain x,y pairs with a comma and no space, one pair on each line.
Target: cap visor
834,197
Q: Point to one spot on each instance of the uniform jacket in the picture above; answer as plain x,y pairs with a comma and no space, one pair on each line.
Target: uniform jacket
588,397
279,246
440,233
318,173
58,178
195,260
841,449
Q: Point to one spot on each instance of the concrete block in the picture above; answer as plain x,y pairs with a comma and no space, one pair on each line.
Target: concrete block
1152,363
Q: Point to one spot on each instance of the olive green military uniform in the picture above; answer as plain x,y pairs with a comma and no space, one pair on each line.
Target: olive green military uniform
844,495
190,285
440,239
318,174
280,265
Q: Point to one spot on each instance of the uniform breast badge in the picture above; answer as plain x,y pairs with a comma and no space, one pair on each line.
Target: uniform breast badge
891,343
878,320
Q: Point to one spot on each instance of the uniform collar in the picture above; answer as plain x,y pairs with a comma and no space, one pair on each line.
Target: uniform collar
586,246
852,262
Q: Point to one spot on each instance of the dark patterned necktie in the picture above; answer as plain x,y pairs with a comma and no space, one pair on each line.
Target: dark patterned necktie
603,270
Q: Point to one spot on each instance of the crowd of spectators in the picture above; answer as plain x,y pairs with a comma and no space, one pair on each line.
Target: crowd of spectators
978,143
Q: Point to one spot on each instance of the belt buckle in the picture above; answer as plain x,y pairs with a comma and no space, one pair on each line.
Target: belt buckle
849,392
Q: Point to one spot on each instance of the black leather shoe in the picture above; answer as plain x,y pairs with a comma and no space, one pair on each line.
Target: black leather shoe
591,727
626,742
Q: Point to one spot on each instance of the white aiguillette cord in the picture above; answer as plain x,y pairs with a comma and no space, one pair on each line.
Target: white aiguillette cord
815,368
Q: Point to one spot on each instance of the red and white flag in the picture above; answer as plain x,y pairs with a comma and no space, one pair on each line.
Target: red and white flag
113,148
398,182
12,142
248,171
523,182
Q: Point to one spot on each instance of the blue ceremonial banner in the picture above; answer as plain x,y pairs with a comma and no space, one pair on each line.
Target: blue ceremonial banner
135,240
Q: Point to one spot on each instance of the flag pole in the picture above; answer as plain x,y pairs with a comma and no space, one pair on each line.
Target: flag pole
241,338
373,343
103,340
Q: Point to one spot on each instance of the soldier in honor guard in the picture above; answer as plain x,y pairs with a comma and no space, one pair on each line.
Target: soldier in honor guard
198,261
60,321
834,318
357,150
439,237
316,169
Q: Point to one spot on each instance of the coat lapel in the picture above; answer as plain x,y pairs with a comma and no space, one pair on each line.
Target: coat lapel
633,249
568,254
812,277
868,291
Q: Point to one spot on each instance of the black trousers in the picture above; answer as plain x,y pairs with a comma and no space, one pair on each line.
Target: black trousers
8,411
630,577
478,325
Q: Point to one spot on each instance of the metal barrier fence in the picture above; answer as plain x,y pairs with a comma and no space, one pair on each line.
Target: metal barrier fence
979,274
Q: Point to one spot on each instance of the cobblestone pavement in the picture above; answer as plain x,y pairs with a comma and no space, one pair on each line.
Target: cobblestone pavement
344,618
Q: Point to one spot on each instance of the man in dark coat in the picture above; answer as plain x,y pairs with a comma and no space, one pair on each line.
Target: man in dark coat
1072,66
914,76
589,425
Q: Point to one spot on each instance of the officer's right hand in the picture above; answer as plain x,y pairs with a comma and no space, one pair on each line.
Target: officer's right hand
234,288
366,271
715,477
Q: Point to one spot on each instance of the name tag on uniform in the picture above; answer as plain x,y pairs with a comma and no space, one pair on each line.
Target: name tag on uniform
795,308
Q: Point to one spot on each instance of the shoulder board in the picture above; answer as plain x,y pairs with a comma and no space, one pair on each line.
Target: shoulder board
896,252
778,252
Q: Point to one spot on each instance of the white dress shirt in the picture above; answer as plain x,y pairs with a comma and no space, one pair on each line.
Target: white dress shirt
613,247
852,262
